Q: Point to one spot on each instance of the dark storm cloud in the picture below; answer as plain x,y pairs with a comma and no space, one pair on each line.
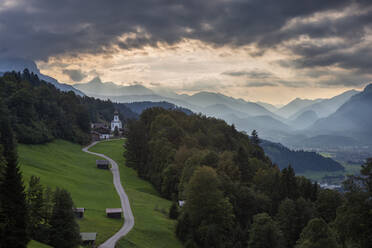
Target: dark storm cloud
74,75
37,29
358,59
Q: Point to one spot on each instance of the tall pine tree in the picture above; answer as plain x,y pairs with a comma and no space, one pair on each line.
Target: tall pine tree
13,208
64,232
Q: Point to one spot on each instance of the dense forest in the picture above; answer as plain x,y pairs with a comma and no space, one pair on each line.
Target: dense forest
40,113
234,195
36,213
301,161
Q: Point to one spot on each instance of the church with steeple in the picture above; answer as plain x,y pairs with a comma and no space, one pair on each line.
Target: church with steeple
116,122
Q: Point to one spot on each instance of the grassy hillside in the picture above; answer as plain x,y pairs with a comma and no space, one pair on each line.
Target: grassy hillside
152,227
35,244
63,164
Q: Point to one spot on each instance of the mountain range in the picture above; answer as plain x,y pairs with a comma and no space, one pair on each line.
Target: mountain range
343,119
298,121
98,88
353,119
294,106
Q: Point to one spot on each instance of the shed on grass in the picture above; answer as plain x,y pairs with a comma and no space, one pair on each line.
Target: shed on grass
88,239
113,213
102,164
79,212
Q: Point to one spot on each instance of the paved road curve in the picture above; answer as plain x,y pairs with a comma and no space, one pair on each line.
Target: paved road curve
128,215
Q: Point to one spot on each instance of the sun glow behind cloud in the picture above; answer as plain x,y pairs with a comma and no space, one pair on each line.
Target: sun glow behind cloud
192,66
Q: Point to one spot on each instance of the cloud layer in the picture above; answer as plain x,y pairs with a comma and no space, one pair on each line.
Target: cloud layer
313,36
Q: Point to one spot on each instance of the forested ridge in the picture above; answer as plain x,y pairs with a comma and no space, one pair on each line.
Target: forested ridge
39,112
301,161
234,195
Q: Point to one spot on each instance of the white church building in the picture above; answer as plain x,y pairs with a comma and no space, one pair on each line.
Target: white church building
116,122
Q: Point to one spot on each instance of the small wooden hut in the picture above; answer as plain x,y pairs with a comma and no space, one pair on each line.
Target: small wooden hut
114,213
88,239
103,164
79,212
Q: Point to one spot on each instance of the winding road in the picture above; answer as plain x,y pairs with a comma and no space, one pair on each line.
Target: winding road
128,215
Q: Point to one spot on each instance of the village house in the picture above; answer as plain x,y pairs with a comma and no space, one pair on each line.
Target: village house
98,125
104,136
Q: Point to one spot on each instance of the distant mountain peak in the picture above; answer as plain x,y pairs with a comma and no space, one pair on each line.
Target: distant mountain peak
96,80
368,88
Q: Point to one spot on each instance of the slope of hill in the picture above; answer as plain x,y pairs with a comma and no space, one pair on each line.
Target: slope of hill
301,161
294,106
222,111
327,106
19,65
268,106
139,107
62,164
35,244
205,99
267,127
152,228
96,87
304,120
353,119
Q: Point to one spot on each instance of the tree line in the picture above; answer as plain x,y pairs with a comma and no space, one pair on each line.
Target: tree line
39,112
234,195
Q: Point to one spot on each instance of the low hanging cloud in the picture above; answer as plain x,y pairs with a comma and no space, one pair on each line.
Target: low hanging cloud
74,75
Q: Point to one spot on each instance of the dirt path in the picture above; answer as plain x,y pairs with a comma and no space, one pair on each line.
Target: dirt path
128,215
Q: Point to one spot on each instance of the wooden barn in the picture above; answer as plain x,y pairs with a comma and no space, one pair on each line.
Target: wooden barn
103,164
113,213
88,239
79,212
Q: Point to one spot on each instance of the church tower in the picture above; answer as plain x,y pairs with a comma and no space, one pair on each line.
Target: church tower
116,121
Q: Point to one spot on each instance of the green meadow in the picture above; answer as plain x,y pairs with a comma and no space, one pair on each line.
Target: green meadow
152,226
62,164
35,244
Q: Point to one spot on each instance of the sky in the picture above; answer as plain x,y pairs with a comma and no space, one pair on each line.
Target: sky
258,50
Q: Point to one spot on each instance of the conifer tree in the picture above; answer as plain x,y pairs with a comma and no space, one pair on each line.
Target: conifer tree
254,137
173,211
64,232
317,234
13,208
35,202
264,233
